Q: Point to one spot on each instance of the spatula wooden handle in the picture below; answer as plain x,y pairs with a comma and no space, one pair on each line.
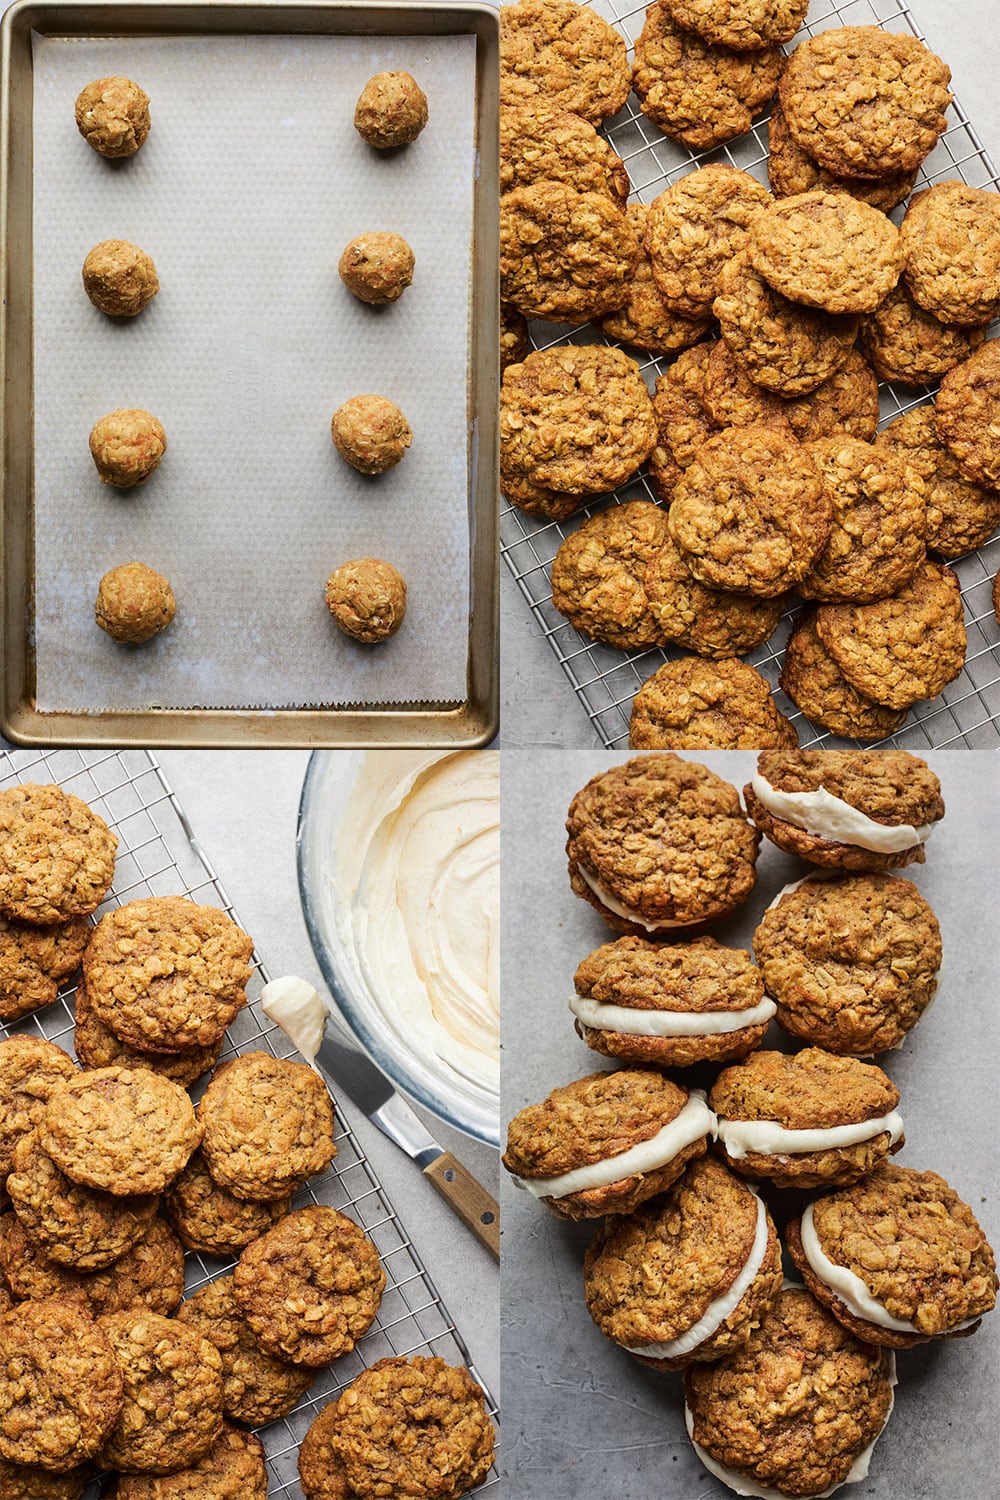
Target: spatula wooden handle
468,1198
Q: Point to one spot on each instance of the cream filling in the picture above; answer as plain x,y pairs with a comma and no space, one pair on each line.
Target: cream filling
606,899
828,817
718,1311
771,1139
630,1022
294,1006
850,1288
694,1120
744,1486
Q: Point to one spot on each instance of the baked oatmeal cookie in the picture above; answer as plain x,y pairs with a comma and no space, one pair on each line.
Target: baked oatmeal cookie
30,1069
60,1386
828,250
98,1047
121,1130
865,102
951,241
643,1002
167,975
687,1277
693,704
172,1411
851,963
310,1287
577,419
29,1482
598,574
733,399
879,521
790,170
817,686
607,1142
232,1469
967,412
917,1264
796,1407
150,1276
783,346
659,844
515,343
750,512
404,1428
961,515
57,857
696,93
746,25
904,648
542,143
72,1225
847,402
805,1121
534,499
644,321
906,345
682,419
209,1219
553,52
564,255
694,228
255,1387
33,962
710,622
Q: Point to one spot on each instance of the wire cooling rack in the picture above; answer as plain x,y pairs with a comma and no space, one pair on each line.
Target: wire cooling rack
158,855
606,680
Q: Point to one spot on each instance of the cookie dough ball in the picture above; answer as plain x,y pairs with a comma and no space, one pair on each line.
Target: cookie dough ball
112,115
134,603
119,278
367,598
377,267
127,446
371,433
392,110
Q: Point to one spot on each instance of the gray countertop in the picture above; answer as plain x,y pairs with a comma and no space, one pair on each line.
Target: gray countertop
582,1418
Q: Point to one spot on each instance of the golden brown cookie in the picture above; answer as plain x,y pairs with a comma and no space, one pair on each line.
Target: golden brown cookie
909,346
310,1287
564,255
961,515
28,1482
167,975
30,1069
598,575
57,857
255,1387
698,93
515,344
98,1047
576,419
744,24
951,241
710,622
553,52
34,960
414,1427
172,1411
847,402
733,399
533,499
209,1219
790,170
232,1469
904,648
967,412
150,1276
693,704
645,321
816,685
750,513
682,419
865,102
112,115
694,228
543,143
827,250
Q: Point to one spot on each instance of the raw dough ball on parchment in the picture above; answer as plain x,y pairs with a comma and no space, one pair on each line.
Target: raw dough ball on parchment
112,115
377,267
127,446
367,598
392,110
371,433
134,603
119,278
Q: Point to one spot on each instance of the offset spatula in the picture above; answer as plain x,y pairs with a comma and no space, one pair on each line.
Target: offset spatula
298,1009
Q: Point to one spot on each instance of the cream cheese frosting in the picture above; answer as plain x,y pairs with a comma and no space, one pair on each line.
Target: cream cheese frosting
829,817
294,1006
606,899
629,1021
771,1139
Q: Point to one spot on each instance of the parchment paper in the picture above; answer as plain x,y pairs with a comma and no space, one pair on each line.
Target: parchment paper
250,184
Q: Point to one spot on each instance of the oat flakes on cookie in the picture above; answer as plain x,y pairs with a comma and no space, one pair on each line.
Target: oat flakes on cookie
256,1388
517,489
903,648
577,419
670,1005
847,402
827,250
906,345
851,962
414,1428
598,574
515,343
149,1277
564,255
806,1120
310,1287
57,857
961,515
544,143
865,102
816,685
644,321
211,1220
746,25
790,170
607,1142
710,622
660,844
29,1482
967,412
682,419
232,1469
694,228
173,1394
30,1069
167,975
733,399
951,241
898,1258
35,960
98,1047
861,810
687,1277
693,704
553,52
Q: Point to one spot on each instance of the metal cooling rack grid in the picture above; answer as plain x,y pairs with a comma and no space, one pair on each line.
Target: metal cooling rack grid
605,680
159,855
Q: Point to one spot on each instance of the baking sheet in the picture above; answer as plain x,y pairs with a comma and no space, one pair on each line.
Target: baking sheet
590,1420
250,184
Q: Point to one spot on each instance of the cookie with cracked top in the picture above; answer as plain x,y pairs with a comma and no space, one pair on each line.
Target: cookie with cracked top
967,413
790,170
693,704
57,856
906,345
554,52
564,255
695,227
817,686
951,240
599,571
716,623
961,515
828,250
